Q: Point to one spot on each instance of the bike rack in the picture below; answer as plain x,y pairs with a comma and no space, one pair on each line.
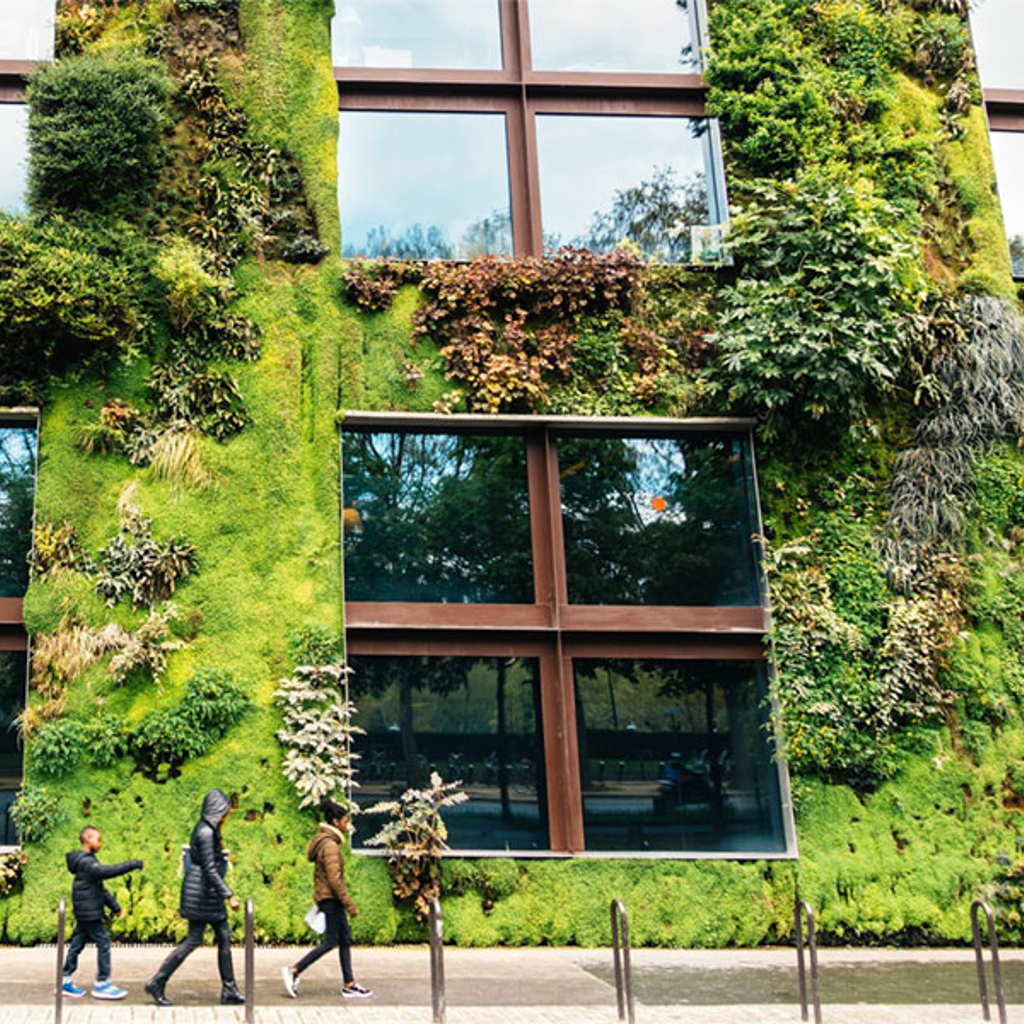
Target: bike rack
250,963
623,967
58,1006
802,908
979,960
438,996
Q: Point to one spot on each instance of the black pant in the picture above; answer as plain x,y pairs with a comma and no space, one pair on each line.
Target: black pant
83,933
194,939
337,934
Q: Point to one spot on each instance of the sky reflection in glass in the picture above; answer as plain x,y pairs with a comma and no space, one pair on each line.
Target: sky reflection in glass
1008,152
26,29
13,156
998,30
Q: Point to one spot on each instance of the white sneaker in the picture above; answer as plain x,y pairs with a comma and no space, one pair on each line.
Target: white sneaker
356,991
291,981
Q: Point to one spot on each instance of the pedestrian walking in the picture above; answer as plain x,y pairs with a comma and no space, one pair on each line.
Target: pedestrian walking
89,900
332,899
203,892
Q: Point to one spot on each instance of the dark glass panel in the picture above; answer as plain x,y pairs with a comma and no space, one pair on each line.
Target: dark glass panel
17,484
14,165
26,30
423,185
645,179
12,702
659,520
436,517
474,719
615,35
416,34
1008,151
676,756
998,30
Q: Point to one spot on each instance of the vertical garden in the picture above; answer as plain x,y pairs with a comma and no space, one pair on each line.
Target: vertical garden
176,305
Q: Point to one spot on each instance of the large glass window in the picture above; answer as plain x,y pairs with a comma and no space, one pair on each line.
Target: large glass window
495,567
675,755
26,29
17,484
1008,151
416,34
659,520
474,719
14,147
583,127
998,30
423,186
616,35
436,517
13,683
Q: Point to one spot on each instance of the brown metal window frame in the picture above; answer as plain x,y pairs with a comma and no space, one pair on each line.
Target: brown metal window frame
520,92
554,631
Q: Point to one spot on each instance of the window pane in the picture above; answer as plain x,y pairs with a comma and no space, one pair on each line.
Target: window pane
14,147
12,701
423,186
675,755
17,483
416,34
26,29
436,517
659,520
1008,151
474,719
998,30
646,179
611,35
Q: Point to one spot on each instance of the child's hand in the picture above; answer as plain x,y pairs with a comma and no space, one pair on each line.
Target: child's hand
233,903
120,913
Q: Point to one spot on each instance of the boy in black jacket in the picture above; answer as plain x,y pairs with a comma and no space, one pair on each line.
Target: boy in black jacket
89,898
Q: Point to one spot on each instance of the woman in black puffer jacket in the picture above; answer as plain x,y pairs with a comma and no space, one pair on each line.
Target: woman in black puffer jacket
203,892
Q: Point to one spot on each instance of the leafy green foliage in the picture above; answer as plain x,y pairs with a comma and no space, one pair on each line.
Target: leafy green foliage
36,812
202,397
96,124
11,866
58,748
815,325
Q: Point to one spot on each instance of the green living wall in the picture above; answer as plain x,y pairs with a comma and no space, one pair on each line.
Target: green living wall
196,335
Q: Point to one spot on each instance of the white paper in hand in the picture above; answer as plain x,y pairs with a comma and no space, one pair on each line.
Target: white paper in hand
317,920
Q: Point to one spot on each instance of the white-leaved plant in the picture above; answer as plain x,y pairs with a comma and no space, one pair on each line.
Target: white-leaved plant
317,734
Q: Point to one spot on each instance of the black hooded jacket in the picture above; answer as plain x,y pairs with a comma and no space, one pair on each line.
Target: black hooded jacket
89,897
203,891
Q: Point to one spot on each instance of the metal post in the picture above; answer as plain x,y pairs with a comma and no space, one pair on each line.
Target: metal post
58,1006
623,966
800,909
250,963
979,961
438,997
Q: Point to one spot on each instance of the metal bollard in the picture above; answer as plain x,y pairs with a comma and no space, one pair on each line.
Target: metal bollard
438,996
623,966
979,961
250,963
58,1006
801,908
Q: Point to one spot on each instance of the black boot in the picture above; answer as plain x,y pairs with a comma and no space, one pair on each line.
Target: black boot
229,994
155,990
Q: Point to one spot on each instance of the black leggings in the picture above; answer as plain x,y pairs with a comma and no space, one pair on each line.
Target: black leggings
337,934
194,939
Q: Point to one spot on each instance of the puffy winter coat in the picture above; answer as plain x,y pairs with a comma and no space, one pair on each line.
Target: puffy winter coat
89,897
203,891
324,850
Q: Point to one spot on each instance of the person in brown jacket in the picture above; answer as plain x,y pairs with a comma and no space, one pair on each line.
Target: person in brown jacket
332,898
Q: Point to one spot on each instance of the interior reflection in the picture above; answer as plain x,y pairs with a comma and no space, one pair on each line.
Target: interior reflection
676,755
471,719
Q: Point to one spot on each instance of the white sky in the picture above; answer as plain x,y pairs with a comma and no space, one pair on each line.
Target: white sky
26,29
399,169
13,155
998,29
1008,150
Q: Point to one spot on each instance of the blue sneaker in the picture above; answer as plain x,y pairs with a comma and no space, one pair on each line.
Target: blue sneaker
69,988
107,990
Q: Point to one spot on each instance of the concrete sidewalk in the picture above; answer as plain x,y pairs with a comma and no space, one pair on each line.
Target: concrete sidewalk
531,986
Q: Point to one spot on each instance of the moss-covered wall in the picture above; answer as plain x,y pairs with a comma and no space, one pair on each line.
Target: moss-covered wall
896,858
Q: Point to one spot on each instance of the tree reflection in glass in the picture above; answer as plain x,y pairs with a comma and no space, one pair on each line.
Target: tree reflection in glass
436,517
12,703
470,719
676,755
659,520
17,484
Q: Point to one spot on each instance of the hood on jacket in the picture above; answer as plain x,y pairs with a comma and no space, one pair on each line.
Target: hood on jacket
215,806
326,834
74,860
